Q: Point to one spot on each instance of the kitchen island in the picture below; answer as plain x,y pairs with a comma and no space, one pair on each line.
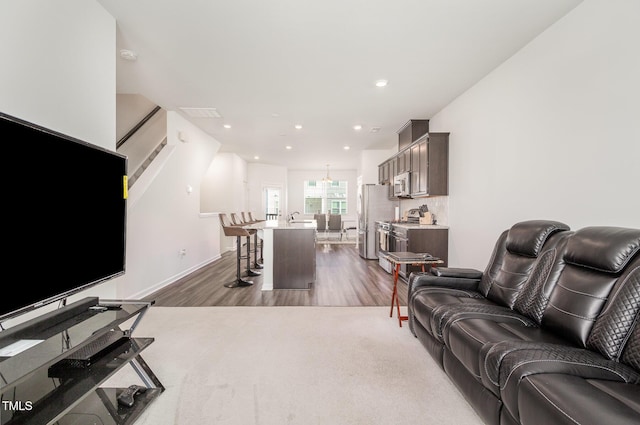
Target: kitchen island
288,252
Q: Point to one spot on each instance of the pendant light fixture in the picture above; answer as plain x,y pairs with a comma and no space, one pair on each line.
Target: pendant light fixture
328,178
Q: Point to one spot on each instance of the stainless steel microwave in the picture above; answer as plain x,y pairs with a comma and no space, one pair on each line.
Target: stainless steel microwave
401,185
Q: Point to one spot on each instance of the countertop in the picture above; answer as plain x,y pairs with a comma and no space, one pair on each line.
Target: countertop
283,224
404,225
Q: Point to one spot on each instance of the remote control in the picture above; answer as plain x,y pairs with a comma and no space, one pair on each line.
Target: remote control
126,397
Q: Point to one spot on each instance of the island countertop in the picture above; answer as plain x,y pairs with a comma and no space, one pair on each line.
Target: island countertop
419,226
283,224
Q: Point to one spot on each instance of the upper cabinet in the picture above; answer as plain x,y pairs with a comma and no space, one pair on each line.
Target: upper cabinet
426,158
410,132
403,161
430,165
386,172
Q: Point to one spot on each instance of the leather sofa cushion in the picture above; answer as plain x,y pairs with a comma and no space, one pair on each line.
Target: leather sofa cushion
576,302
508,362
568,400
525,242
469,337
527,237
606,249
426,300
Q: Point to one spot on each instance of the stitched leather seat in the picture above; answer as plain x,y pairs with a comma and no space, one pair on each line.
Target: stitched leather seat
517,254
560,346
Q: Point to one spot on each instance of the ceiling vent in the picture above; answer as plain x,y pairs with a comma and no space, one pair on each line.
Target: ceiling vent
202,112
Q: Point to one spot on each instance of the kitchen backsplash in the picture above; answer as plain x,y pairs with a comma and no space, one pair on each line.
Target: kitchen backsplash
438,206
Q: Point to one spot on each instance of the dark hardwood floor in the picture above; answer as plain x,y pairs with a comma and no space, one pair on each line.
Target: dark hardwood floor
343,278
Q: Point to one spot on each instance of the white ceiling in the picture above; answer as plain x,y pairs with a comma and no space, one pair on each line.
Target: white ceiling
267,65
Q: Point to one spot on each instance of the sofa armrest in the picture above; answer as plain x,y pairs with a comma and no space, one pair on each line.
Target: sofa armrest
422,279
456,272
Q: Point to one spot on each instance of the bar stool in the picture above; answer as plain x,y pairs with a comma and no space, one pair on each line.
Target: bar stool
237,222
239,232
255,220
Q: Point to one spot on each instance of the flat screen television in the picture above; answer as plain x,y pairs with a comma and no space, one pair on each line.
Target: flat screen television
64,215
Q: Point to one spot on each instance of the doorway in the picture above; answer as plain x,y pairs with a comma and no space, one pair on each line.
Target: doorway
272,201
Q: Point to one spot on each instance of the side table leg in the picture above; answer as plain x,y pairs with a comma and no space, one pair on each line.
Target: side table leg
394,292
395,298
400,318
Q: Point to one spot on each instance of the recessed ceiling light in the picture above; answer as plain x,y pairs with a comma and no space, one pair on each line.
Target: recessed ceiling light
298,126
357,127
227,126
381,83
256,157
288,147
346,148
374,129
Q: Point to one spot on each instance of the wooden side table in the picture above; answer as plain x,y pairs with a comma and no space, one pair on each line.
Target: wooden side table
397,259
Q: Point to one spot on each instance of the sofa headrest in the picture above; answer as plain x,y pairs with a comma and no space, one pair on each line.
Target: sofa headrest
528,237
603,248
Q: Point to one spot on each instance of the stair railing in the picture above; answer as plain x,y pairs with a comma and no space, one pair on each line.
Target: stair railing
137,127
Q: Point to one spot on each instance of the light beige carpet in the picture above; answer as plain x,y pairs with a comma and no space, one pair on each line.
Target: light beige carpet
292,365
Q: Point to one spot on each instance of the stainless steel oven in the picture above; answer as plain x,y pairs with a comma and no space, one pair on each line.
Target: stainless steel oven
383,243
399,242
383,232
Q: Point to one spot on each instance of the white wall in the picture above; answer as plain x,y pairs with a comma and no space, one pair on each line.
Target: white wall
130,110
369,162
167,218
224,190
58,71
553,133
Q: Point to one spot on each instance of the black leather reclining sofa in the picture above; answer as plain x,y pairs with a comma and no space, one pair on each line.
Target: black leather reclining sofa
548,333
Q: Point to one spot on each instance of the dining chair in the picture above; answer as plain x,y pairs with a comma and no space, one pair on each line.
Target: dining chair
335,225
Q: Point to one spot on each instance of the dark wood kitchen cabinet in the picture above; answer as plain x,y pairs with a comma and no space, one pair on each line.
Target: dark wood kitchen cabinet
411,131
403,161
383,172
434,240
386,172
430,165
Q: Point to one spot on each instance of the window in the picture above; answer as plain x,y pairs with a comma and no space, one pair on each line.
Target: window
322,197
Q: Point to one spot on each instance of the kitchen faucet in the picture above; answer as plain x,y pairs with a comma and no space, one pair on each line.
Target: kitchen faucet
292,215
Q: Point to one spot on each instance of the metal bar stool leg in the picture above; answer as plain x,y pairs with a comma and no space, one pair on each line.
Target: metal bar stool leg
256,264
239,280
249,271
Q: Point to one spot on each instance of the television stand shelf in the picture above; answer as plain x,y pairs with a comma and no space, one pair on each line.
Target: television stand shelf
52,367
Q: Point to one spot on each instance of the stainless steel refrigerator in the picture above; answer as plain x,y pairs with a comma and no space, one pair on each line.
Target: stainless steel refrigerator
373,205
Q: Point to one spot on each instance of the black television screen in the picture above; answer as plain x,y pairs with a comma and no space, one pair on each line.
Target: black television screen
65,215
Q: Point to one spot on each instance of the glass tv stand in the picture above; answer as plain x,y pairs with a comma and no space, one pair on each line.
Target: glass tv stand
52,367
